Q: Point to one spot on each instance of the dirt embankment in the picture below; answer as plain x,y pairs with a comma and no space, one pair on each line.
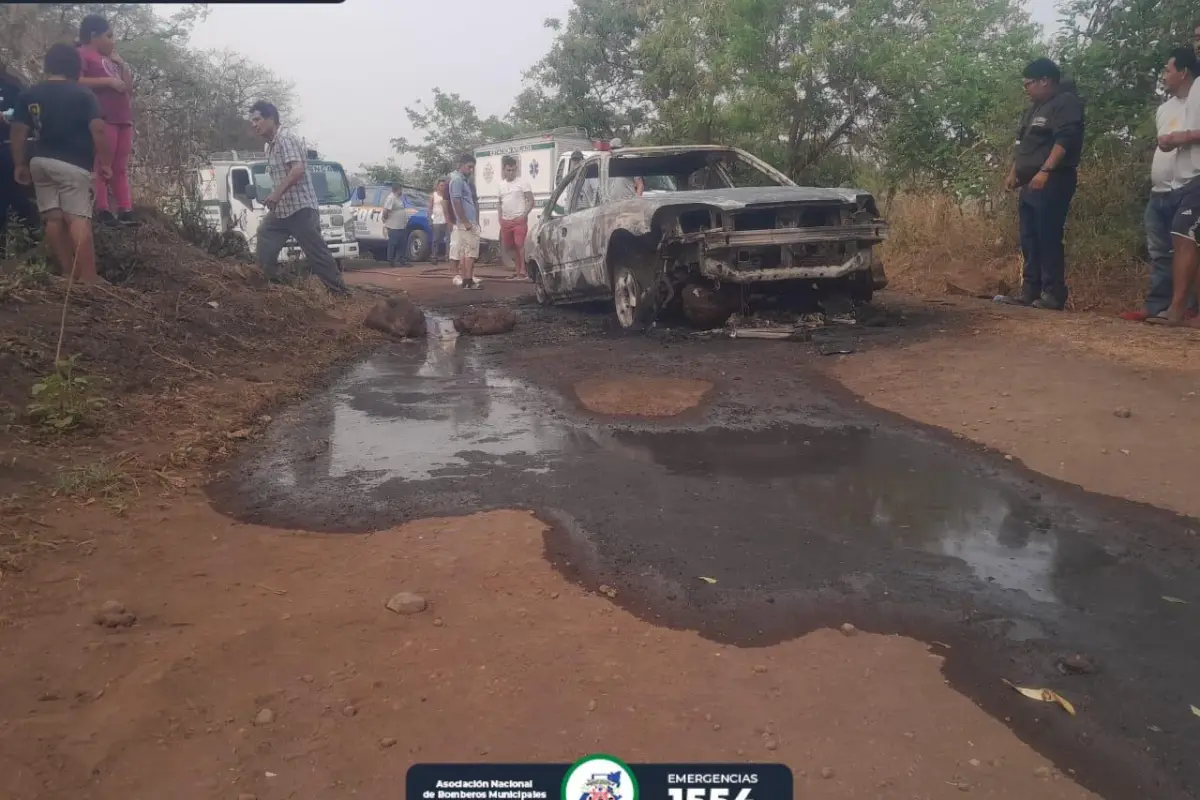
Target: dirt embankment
157,372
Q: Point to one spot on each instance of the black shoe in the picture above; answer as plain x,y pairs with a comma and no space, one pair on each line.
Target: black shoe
106,218
1048,302
126,218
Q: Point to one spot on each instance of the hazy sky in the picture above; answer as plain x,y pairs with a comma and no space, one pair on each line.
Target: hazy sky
353,86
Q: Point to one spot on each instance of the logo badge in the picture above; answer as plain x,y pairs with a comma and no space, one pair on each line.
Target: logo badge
533,168
599,777
489,172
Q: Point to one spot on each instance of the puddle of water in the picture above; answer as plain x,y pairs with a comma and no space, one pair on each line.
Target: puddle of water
421,413
848,483
401,416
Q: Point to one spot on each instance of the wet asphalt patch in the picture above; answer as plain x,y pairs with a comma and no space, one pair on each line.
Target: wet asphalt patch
757,522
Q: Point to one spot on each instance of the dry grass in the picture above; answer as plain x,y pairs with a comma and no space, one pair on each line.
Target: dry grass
22,538
936,241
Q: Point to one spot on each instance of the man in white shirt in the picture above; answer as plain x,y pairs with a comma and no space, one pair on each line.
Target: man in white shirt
516,201
437,221
1185,144
395,221
1166,181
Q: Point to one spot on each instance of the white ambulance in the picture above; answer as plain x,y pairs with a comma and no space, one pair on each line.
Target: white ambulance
541,159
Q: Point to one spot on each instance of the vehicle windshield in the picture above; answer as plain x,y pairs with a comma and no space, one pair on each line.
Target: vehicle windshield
328,179
691,171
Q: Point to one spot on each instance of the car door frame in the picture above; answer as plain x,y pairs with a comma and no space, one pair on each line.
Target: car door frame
581,274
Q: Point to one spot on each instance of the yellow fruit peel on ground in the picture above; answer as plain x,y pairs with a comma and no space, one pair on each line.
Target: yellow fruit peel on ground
1046,696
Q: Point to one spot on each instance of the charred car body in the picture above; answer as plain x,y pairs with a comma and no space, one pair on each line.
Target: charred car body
702,228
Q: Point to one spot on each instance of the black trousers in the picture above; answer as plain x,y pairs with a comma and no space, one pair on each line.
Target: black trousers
1043,217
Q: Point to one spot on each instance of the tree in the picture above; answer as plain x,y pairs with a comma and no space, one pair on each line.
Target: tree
1116,53
385,174
187,104
916,86
590,77
451,127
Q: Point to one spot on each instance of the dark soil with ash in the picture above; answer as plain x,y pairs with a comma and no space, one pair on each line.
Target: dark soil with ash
174,322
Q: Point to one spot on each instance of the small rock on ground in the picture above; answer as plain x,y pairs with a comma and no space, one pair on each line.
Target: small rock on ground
387,741
827,773
265,716
848,629
113,614
1076,664
407,603
1123,413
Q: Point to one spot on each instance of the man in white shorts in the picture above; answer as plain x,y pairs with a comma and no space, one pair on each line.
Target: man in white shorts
464,239
65,119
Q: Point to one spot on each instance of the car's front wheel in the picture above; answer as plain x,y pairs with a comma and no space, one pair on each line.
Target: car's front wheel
540,293
631,300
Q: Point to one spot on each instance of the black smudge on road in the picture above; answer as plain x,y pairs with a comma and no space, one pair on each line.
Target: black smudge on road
821,513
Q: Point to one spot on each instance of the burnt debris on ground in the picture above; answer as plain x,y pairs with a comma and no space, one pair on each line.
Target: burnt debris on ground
171,316
808,508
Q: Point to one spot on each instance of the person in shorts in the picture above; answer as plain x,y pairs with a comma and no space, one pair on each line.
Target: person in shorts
515,203
1185,258
464,239
65,118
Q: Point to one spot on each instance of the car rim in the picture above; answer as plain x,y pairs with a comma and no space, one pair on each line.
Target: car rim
625,298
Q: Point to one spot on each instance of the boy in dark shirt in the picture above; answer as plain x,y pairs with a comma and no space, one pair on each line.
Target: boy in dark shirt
65,118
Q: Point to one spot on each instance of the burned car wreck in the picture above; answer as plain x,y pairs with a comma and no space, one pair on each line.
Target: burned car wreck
702,229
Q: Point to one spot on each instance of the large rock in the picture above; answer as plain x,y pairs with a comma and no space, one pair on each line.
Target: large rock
397,316
486,321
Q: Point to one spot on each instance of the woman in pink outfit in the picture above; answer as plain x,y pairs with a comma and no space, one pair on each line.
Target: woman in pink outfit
106,74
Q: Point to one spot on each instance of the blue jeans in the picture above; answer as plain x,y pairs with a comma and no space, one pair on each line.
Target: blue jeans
1160,211
1043,217
397,247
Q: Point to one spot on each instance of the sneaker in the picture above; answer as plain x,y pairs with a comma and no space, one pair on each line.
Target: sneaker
126,218
105,218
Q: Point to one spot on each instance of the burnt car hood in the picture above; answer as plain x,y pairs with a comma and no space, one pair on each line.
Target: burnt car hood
733,199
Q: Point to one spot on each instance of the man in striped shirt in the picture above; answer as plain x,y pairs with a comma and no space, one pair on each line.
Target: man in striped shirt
293,210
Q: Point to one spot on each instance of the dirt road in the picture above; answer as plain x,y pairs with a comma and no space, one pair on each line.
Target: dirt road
649,546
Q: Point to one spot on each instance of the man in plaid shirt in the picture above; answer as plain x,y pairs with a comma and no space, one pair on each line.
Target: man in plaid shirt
293,207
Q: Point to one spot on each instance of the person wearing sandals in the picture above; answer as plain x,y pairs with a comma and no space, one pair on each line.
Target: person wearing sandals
1166,182
464,238
109,77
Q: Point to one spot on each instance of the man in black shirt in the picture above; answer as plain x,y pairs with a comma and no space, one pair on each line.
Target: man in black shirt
14,198
1045,161
66,119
